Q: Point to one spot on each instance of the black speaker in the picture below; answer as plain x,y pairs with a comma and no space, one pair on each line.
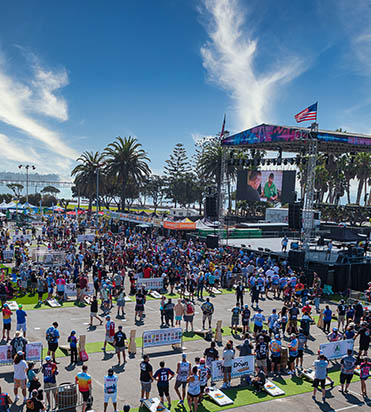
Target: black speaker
210,207
295,215
297,258
212,241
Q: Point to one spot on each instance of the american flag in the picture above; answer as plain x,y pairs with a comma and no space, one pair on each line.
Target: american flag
310,113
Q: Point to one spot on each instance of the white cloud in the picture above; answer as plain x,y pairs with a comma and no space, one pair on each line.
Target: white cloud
230,56
197,137
14,152
45,84
19,99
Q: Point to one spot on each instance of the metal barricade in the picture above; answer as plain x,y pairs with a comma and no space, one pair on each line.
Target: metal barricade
65,397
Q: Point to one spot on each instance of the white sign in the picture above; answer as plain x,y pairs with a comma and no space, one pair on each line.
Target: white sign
70,290
34,351
150,283
86,238
336,350
161,337
243,365
8,254
5,354
24,238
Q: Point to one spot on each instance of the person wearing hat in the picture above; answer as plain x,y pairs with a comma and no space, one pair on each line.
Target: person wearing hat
183,370
50,371
18,343
293,352
33,404
320,374
334,336
7,321
110,389
110,332
21,319
245,318
364,334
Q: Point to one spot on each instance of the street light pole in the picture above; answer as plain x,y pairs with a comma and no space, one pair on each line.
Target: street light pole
97,207
27,167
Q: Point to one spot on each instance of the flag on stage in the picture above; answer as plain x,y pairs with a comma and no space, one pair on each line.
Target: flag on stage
223,126
310,113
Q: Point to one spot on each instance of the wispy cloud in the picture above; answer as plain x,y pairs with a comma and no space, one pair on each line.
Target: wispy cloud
197,137
230,57
21,100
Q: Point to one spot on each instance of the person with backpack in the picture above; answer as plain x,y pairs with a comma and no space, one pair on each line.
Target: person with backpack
5,401
52,337
34,404
189,314
18,343
207,312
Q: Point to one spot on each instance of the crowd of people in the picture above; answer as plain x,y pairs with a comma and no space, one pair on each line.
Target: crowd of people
99,269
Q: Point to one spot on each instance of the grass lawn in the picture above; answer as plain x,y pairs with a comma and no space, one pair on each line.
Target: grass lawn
243,396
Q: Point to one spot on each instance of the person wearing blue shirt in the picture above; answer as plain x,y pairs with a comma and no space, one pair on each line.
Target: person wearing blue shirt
327,316
271,321
258,320
21,319
52,337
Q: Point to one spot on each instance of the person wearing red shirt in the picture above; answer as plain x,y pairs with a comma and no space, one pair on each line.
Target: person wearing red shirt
7,321
307,309
147,272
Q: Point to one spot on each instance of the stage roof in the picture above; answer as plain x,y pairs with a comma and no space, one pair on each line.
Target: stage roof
295,139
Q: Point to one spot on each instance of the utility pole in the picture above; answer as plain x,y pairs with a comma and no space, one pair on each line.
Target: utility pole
27,168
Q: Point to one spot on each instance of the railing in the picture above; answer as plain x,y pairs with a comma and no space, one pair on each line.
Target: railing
65,397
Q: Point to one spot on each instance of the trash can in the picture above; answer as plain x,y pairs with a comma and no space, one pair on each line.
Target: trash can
67,397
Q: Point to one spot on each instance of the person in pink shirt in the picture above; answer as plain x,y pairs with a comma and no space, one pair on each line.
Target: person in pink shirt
61,284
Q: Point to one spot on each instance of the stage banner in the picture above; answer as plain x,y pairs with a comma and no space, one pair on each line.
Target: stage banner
34,351
243,365
336,350
162,337
70,290
86,238
5,354
150,283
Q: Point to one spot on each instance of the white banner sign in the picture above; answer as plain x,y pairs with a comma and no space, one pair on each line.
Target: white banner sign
34,351
162,337
5,354
70,290
150,283
336,350
243,365
88,238
8,254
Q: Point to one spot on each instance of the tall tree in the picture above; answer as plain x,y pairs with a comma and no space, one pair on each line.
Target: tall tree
50,190
16,188
363,172
155,188
128,162
85,174
176,168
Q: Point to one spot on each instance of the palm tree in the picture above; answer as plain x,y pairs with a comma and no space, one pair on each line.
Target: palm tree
363,171
127,161
86,174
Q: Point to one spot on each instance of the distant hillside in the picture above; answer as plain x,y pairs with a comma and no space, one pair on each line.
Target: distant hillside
32,176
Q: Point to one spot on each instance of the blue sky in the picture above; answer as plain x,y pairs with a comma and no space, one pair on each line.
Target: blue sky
74,75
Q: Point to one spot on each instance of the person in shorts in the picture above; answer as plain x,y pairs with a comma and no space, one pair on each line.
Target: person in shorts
83,381
320,374
52,337
21,319
146,378
364,373
261,351
163,376
49,370
183,370
228,356
348,363
110,390
235,318
119,343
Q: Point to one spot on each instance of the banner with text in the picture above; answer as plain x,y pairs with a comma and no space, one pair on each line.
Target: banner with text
161,337
70,290
33,353
241,366
150,283
336,350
